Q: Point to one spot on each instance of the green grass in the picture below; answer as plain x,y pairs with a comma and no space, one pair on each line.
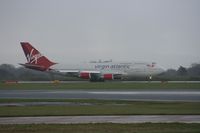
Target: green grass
102,128
100,107
103,85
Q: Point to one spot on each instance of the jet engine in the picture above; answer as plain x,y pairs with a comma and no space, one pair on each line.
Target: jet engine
84,75
108,76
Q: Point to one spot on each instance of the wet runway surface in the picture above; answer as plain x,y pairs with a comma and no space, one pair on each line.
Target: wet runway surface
136,95
11,104
101,119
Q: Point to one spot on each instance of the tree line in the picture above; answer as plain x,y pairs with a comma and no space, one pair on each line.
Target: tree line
182,73
10,72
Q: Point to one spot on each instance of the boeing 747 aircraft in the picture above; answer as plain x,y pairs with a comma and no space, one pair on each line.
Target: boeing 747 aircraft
94,70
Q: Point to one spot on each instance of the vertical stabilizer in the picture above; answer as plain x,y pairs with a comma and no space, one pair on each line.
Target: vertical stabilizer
35,60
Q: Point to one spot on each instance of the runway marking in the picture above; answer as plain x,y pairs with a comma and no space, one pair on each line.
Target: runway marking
147,92
113,92
101,119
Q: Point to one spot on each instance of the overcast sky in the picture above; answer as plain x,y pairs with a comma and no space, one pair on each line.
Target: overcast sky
70,31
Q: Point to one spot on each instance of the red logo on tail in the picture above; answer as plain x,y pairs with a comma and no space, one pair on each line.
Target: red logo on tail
34,57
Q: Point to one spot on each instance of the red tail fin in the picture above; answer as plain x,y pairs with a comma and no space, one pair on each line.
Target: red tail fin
35,59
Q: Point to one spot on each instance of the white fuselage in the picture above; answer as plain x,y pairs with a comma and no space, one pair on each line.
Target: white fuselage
127,69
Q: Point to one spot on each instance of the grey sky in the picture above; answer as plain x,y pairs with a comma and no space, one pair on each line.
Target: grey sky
69,31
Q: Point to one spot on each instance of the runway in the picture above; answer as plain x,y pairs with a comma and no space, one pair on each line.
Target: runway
47,82
101,119
135,95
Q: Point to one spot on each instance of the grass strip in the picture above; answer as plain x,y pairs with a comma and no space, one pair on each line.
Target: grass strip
102,128
103,85
103,107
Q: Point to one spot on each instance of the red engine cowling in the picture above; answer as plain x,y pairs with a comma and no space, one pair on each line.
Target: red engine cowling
85,75
108,76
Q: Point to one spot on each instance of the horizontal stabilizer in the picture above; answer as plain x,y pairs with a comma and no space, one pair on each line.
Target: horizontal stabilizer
35,67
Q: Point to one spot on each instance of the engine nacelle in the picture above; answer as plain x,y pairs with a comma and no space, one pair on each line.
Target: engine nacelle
84,75
108,76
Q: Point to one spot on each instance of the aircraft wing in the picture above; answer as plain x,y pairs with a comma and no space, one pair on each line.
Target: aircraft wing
90,74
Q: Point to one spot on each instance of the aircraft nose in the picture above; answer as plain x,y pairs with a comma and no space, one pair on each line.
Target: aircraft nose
161,70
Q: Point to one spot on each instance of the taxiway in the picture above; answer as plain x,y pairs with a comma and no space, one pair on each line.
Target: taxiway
101,119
